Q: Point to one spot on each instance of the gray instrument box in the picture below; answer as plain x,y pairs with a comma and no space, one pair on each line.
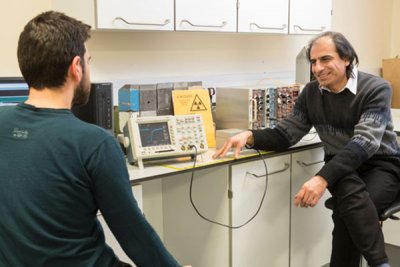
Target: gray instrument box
164,99
148,100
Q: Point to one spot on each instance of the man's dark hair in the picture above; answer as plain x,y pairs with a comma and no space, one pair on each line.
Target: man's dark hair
47,46
343,48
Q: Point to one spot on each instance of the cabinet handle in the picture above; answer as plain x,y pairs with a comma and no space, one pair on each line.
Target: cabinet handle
286,166
167,21
309,30
304,164
223,24
268,28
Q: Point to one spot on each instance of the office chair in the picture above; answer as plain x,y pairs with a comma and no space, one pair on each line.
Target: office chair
388,213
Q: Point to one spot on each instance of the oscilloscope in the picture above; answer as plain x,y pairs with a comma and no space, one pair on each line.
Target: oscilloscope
163,136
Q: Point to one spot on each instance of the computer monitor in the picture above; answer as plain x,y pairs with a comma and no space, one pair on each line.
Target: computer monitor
13,90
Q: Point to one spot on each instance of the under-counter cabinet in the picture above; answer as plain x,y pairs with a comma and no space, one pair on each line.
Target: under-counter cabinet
205,15
135,14
280,235
265,240
310,16
191,239
310,228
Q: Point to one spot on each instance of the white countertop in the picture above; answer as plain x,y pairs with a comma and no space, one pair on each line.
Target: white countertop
155,168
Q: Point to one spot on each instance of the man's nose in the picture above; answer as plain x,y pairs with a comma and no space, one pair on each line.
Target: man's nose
317,67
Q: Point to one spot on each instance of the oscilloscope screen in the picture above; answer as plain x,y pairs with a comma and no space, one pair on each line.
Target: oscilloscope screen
154,134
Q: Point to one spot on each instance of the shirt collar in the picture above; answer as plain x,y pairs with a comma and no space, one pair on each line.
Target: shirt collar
351,84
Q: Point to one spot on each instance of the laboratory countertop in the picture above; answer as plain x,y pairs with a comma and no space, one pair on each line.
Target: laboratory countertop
157,169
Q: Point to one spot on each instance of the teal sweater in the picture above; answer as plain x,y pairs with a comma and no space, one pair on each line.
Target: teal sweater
56,173
353,128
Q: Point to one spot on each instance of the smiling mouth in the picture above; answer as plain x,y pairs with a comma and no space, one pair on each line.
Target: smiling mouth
323,76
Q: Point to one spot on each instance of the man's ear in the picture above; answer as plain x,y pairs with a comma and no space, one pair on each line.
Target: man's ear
347,62
75,69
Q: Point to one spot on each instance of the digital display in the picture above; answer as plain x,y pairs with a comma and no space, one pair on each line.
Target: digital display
13,90
154,134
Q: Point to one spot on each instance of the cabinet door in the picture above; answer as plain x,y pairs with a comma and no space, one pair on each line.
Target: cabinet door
265,240
135,14
311,228
191,239
206,15
269,16
310,16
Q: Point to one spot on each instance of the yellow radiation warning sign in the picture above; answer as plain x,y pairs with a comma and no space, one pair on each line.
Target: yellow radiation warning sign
197,104
195,101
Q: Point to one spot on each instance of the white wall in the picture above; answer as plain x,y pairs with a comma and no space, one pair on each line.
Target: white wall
212,57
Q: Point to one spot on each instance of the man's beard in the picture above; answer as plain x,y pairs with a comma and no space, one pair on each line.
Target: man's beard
82,92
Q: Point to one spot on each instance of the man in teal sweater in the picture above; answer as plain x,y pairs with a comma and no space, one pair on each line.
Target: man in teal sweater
57,172
350,110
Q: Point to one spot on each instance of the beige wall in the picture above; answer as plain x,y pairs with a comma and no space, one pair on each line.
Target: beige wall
395,31
13,17
163,56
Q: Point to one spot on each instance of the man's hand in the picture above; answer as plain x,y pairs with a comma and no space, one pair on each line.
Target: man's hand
237,141
311,192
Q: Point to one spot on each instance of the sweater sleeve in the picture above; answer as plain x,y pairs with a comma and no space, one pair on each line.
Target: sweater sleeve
113,194
367,137
288,132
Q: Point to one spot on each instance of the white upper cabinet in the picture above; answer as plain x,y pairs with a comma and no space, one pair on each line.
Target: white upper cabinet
310,16
135,14
259,16
268,16
206,15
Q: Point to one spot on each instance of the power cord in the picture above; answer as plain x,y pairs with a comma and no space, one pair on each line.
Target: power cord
222,224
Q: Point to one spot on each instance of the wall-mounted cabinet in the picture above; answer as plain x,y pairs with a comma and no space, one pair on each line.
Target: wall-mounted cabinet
206,15
284,16
310,16
135,14
268,16
259,16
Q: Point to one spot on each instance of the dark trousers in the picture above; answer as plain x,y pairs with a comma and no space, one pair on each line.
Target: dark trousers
358,199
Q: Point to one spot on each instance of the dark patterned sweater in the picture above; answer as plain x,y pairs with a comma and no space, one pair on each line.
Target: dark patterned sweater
352,128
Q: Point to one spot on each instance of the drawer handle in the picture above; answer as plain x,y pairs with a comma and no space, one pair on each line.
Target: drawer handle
304,164
167,21
268,28
286,166
223,24
309,30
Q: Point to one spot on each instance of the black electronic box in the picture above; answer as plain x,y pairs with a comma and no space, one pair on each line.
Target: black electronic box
99,109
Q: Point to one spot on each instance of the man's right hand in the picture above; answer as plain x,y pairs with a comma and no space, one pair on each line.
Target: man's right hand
237,141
